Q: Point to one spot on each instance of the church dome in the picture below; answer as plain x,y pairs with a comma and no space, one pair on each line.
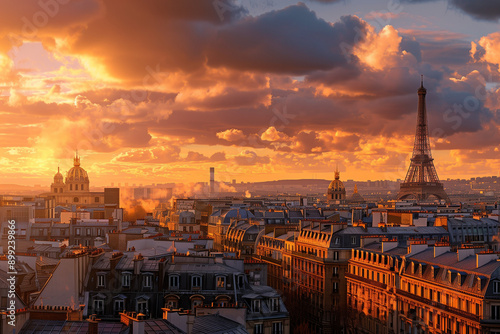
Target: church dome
77,173
336,185
58,178
356,197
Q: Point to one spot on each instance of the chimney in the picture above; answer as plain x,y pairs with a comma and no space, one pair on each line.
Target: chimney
93,324
388,245
441,221
440,249
138,324
416,248
138,262
115,258
485,257
463,253
367,241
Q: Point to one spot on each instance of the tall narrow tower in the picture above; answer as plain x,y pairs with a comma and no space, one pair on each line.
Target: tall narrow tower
421,180
212,180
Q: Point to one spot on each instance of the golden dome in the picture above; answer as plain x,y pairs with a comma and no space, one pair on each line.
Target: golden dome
336,185
77,173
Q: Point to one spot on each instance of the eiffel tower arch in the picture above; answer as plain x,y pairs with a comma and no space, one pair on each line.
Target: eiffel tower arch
422,180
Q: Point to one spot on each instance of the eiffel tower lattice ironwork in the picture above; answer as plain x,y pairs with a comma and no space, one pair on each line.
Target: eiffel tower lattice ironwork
422,181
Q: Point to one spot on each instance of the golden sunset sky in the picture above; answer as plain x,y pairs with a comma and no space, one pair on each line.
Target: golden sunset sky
159,91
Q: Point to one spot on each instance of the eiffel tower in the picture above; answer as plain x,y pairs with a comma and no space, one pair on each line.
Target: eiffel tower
422,181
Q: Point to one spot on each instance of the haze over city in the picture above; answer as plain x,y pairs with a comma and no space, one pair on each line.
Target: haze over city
262,90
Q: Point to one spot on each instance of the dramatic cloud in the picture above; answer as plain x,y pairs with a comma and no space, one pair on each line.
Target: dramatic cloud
480,9
292,40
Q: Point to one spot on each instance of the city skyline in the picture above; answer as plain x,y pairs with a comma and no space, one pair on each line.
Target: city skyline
261,90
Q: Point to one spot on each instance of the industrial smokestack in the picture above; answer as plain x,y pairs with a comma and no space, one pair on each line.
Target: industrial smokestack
212,180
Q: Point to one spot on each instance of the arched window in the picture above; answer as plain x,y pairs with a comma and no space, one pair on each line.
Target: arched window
82,187
70,187
76,186
55,190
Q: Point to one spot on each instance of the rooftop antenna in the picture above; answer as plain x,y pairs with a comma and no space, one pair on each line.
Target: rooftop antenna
421,81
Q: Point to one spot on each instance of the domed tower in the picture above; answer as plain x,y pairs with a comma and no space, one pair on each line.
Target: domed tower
356,197
58,185
77,179
336,190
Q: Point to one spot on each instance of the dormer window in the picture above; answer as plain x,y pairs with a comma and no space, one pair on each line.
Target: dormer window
98,306
221,282
496,287
173,281
147,281
256,305
101,279
126,280
241,281
196,282
274,305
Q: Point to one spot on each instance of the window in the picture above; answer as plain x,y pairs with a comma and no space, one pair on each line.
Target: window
277,328
353,240
258,329
98,306
77,241
173,282
256,305
274,305
241,281
96,200
221,282
171,303
335,271
126,280
89,231
75,199
119,306
70,187
76,186
495,312
196,302
100,280
335,255
77,231
99,232
496,287
196,282
142,306
147,281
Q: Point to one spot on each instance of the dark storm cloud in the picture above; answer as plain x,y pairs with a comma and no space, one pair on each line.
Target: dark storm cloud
292,40
479,9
